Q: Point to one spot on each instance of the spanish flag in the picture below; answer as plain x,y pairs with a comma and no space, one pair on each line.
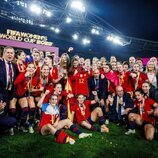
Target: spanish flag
68,89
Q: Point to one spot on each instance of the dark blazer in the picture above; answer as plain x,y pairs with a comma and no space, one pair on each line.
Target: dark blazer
128,102
103,87
3,78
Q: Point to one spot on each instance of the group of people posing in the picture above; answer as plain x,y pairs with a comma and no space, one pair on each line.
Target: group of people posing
63,92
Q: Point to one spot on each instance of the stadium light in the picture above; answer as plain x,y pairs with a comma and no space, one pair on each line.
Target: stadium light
85,41
75,36
68,20
47,13
118,40
78,5
57,30
115,39
42,25
52,28
35,9
95,31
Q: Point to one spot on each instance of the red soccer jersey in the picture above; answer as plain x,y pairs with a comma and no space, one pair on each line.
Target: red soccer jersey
144,108
82,113
21,66
54,73
23,83
82,84
139,80
125,81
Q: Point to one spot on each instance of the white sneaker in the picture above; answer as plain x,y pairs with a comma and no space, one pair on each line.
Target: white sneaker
107,121
23,129
130,131
84,135
71,141
11,131
31,130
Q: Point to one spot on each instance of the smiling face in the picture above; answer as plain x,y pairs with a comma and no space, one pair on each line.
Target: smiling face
58,89
36,56
31,68
132,61
119,91
80,99
53,100
48,60
64,58
138,96
8,54
75,63
81,61
125,67
96,74
120,68
22,56
145,88
151,66
45,70
114,65
106,68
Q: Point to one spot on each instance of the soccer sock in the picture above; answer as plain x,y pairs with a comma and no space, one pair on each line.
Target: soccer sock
101,120
24,116
31,115
74,129
131,125
63,112
12,112
57,133
103,109
61,136
93,128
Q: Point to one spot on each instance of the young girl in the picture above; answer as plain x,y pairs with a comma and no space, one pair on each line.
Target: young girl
50,122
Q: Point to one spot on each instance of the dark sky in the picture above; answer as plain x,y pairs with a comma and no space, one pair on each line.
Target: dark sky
137,18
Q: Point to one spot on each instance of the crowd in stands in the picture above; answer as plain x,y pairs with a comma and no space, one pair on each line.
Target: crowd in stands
39,90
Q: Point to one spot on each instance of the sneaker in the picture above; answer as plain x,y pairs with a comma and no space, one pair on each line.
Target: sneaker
104,129
84,135
11,131
107,121
70,140
31,130
130,131
23,129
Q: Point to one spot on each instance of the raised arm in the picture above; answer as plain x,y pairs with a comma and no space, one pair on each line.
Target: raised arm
40,102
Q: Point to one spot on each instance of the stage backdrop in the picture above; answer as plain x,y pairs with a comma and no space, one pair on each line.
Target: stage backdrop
25,40
145,60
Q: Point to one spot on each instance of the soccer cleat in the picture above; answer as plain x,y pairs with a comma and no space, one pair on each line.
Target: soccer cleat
84,135
11,131
22,129
130,131
31,130
107,121
70,140
104,129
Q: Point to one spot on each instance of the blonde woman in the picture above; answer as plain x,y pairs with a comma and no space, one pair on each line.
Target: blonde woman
151,72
